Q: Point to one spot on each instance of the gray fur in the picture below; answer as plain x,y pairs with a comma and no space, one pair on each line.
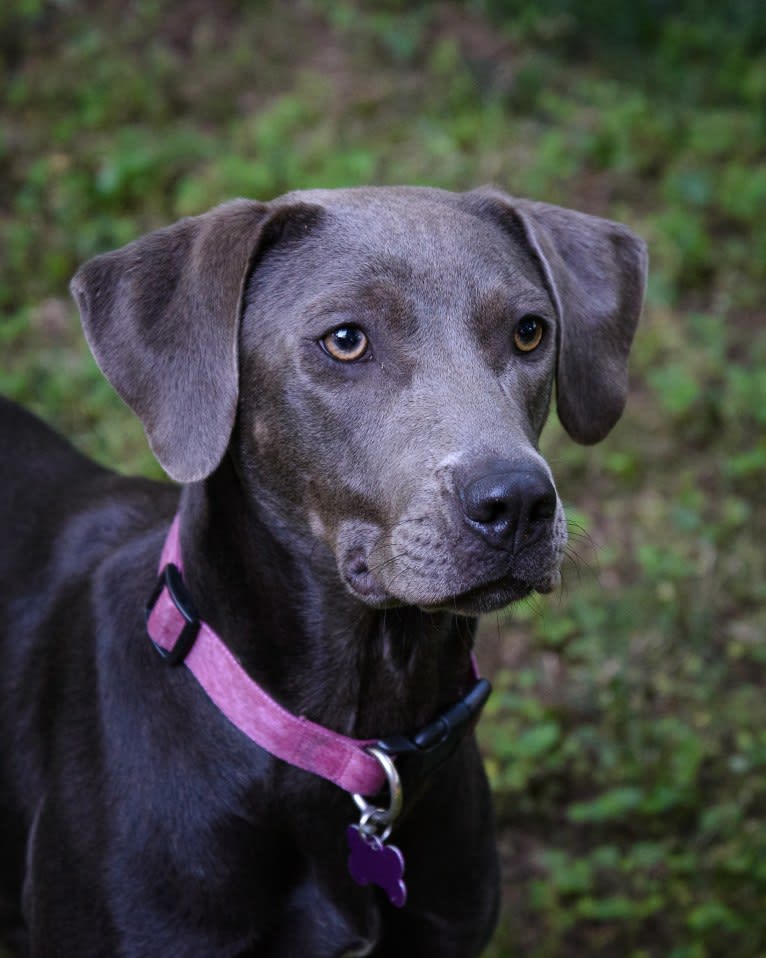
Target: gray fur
342,524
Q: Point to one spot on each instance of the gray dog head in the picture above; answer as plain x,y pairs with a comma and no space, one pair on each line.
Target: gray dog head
379,364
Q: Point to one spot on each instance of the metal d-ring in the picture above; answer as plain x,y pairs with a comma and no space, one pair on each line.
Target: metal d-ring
382,817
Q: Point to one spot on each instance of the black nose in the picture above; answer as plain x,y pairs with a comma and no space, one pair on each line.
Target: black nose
509,507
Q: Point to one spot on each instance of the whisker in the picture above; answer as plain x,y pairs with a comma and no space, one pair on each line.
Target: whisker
580,562
382,565
576,560
534,603
563,592
577,531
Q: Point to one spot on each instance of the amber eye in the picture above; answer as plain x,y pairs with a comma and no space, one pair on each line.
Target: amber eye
528,334
346,343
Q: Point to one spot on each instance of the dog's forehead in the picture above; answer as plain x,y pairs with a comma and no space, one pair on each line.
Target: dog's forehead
424,234
379,201
400,216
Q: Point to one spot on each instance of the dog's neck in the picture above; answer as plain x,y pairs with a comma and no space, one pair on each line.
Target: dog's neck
278,602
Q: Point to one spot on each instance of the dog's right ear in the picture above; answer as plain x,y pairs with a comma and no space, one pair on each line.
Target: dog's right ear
595,270
162,318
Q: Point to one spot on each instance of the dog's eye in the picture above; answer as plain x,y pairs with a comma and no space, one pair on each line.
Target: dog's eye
528,333
346,343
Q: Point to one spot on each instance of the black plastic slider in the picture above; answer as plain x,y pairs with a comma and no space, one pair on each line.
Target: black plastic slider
171,579
422,751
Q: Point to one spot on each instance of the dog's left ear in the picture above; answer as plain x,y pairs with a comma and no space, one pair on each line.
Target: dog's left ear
161,316
596,273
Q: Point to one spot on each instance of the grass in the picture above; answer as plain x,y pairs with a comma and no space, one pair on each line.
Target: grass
626,739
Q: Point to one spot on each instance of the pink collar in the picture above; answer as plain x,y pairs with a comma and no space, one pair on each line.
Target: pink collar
180,636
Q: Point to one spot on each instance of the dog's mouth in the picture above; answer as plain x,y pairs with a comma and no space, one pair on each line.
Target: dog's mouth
473,600
492,596
446,567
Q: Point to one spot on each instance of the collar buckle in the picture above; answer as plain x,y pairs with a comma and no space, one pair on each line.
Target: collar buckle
421,752
171,580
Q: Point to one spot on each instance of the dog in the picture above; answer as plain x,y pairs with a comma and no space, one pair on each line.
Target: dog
250,733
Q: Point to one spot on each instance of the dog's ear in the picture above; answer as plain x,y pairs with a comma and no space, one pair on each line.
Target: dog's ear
596,273
162,318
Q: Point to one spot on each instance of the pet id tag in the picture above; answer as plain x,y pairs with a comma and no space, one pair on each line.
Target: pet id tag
371,861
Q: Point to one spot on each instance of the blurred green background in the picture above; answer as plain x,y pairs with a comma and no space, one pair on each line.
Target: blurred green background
626,739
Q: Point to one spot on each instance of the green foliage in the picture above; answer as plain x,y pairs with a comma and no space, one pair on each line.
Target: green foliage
625,738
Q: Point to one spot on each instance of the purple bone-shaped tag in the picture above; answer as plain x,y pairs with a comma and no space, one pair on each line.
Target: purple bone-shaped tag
372,861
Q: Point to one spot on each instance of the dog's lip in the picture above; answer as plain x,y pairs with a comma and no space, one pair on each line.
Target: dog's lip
361,581
476,600
469,598
480,599
494,594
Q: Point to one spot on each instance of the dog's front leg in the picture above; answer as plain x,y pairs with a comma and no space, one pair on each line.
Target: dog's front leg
61,903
